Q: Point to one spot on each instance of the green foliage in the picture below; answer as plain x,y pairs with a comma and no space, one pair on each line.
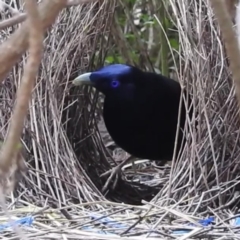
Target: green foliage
114,59
143,34
145,38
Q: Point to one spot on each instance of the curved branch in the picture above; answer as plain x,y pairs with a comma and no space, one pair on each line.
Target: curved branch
230,40
36,37
12,49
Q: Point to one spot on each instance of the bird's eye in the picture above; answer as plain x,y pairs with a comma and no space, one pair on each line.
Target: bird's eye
115,83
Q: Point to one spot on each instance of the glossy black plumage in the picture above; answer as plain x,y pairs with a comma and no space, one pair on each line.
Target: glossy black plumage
144,124
140,109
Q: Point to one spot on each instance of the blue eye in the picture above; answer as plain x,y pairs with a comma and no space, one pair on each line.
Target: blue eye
115,83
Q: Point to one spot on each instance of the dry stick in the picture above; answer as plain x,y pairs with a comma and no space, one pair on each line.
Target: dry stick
24,92
15,46
231,7
77,2
12,50
12,21
22,17
13,10
23,95
230,40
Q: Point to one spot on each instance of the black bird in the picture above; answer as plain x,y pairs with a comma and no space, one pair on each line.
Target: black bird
140,110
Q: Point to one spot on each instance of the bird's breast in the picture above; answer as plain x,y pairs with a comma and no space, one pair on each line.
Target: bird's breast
140,131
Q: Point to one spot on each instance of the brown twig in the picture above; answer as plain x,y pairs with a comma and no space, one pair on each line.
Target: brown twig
231,7
230,40
12,21
24,93
22,16
16,45
34,27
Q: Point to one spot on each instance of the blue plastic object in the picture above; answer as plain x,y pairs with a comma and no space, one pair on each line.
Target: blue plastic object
22,221
107,221
203,222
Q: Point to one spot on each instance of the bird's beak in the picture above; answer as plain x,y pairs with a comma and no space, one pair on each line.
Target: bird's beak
83,79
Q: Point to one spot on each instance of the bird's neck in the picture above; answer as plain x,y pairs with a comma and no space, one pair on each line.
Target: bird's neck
115,103
121,96
119,103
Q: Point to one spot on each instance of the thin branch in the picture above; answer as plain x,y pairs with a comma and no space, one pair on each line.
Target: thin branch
230,40
12,49
22,16
4,6
13,21
231,7
36,37
78,2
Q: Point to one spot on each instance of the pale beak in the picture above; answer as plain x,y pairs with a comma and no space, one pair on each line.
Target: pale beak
83,79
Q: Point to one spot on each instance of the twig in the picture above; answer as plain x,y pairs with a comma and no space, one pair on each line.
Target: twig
13,11
22,16
231,7
230,40
16,45
24,93
12,21
77,2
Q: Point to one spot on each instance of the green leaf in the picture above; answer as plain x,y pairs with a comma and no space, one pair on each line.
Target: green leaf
109,59
174,43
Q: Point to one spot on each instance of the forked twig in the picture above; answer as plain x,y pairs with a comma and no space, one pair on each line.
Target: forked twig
16,45
24,92
39,18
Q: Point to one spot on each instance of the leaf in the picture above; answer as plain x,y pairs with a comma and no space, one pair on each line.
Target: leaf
174,43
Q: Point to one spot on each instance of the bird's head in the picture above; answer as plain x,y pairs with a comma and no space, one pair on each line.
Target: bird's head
112,79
